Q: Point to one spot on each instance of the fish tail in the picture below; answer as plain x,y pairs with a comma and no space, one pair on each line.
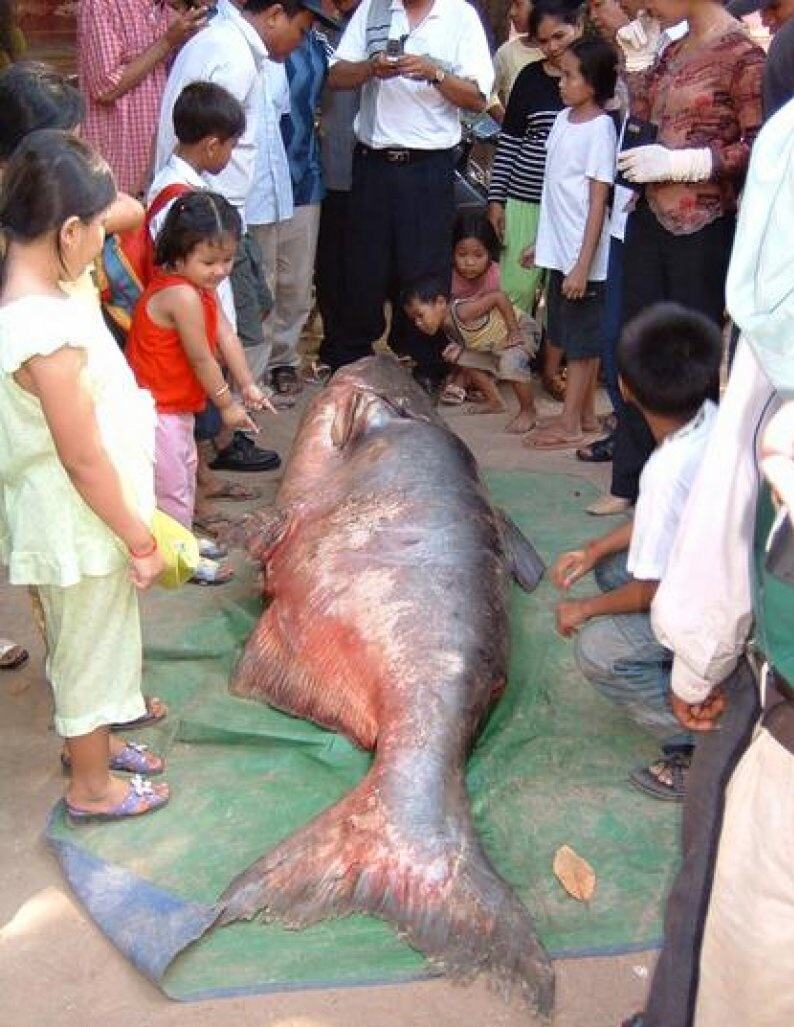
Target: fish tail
440,893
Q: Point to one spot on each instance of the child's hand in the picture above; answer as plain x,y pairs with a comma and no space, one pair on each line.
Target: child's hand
570,567
574,285
496,215
145,570
571,614
255,399
234,416
702,716
527,258
514,339
451,353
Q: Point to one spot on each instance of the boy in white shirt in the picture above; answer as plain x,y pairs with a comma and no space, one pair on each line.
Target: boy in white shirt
668,360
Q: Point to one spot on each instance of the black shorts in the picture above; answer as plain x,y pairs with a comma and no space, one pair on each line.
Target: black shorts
576,326
208,423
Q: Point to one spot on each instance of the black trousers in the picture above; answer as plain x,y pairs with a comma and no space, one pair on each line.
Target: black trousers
689,269
671,1002
399,228
329,270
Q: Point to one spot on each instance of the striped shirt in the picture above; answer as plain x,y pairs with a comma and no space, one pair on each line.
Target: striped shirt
307,69
520,161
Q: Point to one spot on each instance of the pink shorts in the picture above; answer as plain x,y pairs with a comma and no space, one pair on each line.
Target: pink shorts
175,464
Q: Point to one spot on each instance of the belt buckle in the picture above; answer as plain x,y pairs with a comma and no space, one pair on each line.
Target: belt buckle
398,156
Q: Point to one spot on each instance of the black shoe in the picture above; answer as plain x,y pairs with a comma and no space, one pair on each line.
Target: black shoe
243,455
599,452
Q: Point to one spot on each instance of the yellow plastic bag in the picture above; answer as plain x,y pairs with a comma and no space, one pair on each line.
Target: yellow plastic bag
179,548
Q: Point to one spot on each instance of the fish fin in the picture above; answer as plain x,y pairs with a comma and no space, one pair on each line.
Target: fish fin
274,670
525,564
258,532
439,892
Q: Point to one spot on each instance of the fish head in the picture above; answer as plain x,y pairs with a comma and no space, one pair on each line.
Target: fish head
360,398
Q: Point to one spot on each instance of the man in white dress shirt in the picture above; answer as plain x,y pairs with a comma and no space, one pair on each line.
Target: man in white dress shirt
418,64
242,49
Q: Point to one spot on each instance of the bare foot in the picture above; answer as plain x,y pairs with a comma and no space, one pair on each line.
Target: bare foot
487,408
523,422
551,421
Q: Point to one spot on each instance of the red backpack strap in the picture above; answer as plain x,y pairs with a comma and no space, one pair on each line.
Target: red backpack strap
164,197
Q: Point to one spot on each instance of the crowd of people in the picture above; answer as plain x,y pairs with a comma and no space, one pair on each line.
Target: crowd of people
235,160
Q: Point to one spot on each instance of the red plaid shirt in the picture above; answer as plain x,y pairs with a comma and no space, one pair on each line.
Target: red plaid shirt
111,34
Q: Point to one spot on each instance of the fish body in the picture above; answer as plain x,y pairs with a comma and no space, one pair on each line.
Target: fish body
388,569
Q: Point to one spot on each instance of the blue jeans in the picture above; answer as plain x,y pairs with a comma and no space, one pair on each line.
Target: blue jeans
622,658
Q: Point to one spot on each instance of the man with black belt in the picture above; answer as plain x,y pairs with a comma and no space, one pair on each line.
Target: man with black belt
418,63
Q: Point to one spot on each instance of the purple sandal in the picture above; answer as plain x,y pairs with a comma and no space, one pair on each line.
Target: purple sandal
140,798
131,760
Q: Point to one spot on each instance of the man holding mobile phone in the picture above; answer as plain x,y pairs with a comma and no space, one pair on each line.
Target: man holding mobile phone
418,63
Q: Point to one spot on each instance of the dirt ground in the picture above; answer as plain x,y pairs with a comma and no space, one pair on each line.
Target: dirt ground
57,969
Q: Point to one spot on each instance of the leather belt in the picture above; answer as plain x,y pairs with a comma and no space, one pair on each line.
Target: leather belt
397,154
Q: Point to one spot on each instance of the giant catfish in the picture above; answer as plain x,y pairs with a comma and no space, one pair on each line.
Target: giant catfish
388,572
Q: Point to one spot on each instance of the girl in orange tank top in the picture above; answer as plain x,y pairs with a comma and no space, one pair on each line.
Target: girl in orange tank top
179,336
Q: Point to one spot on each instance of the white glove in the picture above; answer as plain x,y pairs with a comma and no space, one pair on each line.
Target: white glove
639,41
657,163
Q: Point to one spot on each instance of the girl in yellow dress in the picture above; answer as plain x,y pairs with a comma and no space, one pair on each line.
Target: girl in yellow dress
76,470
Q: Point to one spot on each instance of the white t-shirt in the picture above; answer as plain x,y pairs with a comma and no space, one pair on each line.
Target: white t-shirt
403,112
575,153
178,170
665,484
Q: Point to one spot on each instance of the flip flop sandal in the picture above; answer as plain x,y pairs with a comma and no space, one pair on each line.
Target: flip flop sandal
651,779
553,441
12,655
134,758
212,550
210,572
147,719
212,524
453,396
141,798
234,492
285,381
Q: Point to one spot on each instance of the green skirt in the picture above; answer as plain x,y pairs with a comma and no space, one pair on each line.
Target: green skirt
521,229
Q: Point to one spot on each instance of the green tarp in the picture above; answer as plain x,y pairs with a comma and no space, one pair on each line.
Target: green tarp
548,769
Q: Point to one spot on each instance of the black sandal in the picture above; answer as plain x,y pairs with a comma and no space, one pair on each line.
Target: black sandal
665,778
285,381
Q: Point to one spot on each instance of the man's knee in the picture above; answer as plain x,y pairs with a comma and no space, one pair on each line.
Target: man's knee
592,651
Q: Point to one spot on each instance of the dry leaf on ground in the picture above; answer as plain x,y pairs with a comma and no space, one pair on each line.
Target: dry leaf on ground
574,873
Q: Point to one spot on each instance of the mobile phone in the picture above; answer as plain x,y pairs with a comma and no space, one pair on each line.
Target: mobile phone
636,133
394,49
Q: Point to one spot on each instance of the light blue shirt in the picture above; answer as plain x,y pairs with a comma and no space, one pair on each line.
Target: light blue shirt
270,198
